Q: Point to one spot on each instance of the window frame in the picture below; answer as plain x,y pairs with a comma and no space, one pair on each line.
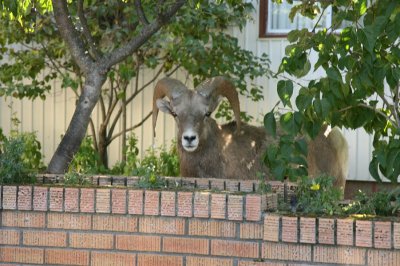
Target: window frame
263,22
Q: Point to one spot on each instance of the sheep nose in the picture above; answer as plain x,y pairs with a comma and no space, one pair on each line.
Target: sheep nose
189,139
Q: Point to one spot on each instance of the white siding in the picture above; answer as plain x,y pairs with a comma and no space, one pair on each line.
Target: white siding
50,118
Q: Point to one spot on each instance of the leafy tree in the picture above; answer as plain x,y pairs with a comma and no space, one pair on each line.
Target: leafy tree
360,87
195,41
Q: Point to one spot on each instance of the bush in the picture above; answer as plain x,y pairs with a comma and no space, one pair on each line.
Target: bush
378,203
86,160
16,165
318,196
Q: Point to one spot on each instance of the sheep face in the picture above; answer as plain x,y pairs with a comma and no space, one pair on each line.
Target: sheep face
191,112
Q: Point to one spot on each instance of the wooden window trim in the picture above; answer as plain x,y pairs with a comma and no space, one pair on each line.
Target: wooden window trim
263,22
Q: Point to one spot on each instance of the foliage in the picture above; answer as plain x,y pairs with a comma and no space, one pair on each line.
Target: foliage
86,160
13,168
197,42
360,87
74,178
378,203
318,196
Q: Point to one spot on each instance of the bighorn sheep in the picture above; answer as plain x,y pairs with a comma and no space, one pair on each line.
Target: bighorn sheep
233,150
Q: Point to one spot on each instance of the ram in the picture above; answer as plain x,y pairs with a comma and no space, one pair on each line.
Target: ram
234,150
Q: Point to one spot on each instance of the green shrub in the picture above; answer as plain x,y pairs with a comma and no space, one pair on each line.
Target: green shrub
15,166
74,178
378,203
86,160
318,196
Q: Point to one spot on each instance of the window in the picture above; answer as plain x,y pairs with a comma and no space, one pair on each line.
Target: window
275,22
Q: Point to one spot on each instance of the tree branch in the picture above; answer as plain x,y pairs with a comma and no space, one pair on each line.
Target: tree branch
130,129
71,36
140,13
149,30
85,30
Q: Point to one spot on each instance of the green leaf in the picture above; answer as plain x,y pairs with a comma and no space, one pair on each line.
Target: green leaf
270,123
303,99
290,122
285,91
322,107
334,74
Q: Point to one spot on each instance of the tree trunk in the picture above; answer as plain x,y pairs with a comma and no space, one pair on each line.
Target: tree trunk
76,131
102,145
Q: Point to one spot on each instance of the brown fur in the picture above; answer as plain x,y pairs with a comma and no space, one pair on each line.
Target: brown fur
226,151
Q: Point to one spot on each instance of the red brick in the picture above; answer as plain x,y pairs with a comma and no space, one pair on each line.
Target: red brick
9,197
118,202
204,261
256,263
66,257
271,228
212,228
345,235
383,235
383,257
135,203
201,204
363,233
87,200
232,185
235,207
69,221
151,202
112,259
185,204
247,186
218,184
40,196
9,237
307,230
45,238
168,203
103,200
186,245
89,240
253,207
115,223
21,255
218,206
157,260
25,198
339,255
234,248
289,252
289,229
326,231
56,199
251,231
71,203
138,242
162,225
23,219
396,235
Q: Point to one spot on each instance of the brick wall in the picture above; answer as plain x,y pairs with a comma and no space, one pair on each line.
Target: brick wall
129,226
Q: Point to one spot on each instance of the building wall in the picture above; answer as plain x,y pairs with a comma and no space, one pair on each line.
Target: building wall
50,118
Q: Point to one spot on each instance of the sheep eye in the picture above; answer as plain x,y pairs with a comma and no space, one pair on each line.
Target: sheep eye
208,114
174,114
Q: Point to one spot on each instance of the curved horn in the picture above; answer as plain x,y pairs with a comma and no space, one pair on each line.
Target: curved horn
165,87
221,86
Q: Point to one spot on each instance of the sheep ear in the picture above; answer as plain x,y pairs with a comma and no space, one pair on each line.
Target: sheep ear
164,106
